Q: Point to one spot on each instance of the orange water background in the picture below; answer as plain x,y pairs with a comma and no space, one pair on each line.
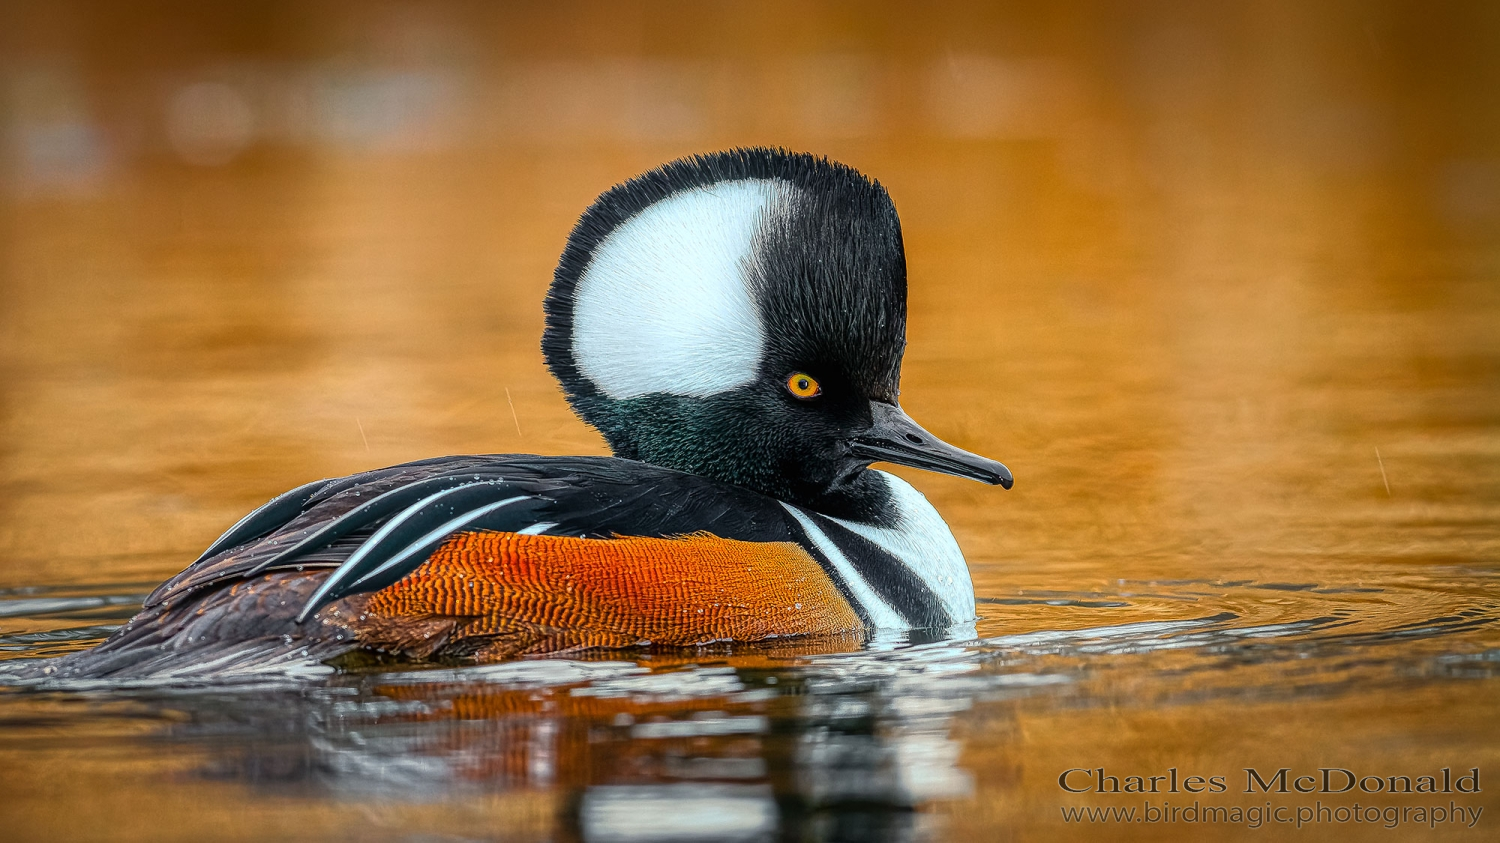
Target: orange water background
1217,281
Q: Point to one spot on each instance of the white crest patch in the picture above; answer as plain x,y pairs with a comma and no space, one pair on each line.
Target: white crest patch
664,305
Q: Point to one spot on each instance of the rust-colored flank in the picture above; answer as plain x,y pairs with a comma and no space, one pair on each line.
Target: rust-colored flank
511,594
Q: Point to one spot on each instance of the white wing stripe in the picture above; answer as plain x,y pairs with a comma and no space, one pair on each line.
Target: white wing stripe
449,527
342,572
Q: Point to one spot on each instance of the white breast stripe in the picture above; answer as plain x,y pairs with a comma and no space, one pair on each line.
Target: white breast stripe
923,543
664,305
880,612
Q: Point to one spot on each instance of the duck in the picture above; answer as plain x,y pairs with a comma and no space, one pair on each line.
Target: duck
733,324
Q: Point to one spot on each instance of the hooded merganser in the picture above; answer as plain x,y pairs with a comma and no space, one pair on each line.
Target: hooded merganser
733,324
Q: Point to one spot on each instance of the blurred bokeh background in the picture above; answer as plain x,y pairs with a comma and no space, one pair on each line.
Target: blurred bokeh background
1185,265
1220,281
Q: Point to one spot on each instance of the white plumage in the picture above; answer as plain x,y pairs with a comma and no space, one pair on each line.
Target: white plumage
666,305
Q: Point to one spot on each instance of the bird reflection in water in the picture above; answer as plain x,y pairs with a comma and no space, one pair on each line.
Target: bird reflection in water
735,749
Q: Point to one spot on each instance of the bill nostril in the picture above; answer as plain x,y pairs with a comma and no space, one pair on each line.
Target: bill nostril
914,438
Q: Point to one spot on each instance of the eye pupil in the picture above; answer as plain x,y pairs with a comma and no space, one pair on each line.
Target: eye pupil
803,385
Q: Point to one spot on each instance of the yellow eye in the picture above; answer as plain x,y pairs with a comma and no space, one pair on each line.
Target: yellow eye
803,385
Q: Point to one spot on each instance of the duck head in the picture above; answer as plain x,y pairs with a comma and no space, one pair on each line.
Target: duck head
742,316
